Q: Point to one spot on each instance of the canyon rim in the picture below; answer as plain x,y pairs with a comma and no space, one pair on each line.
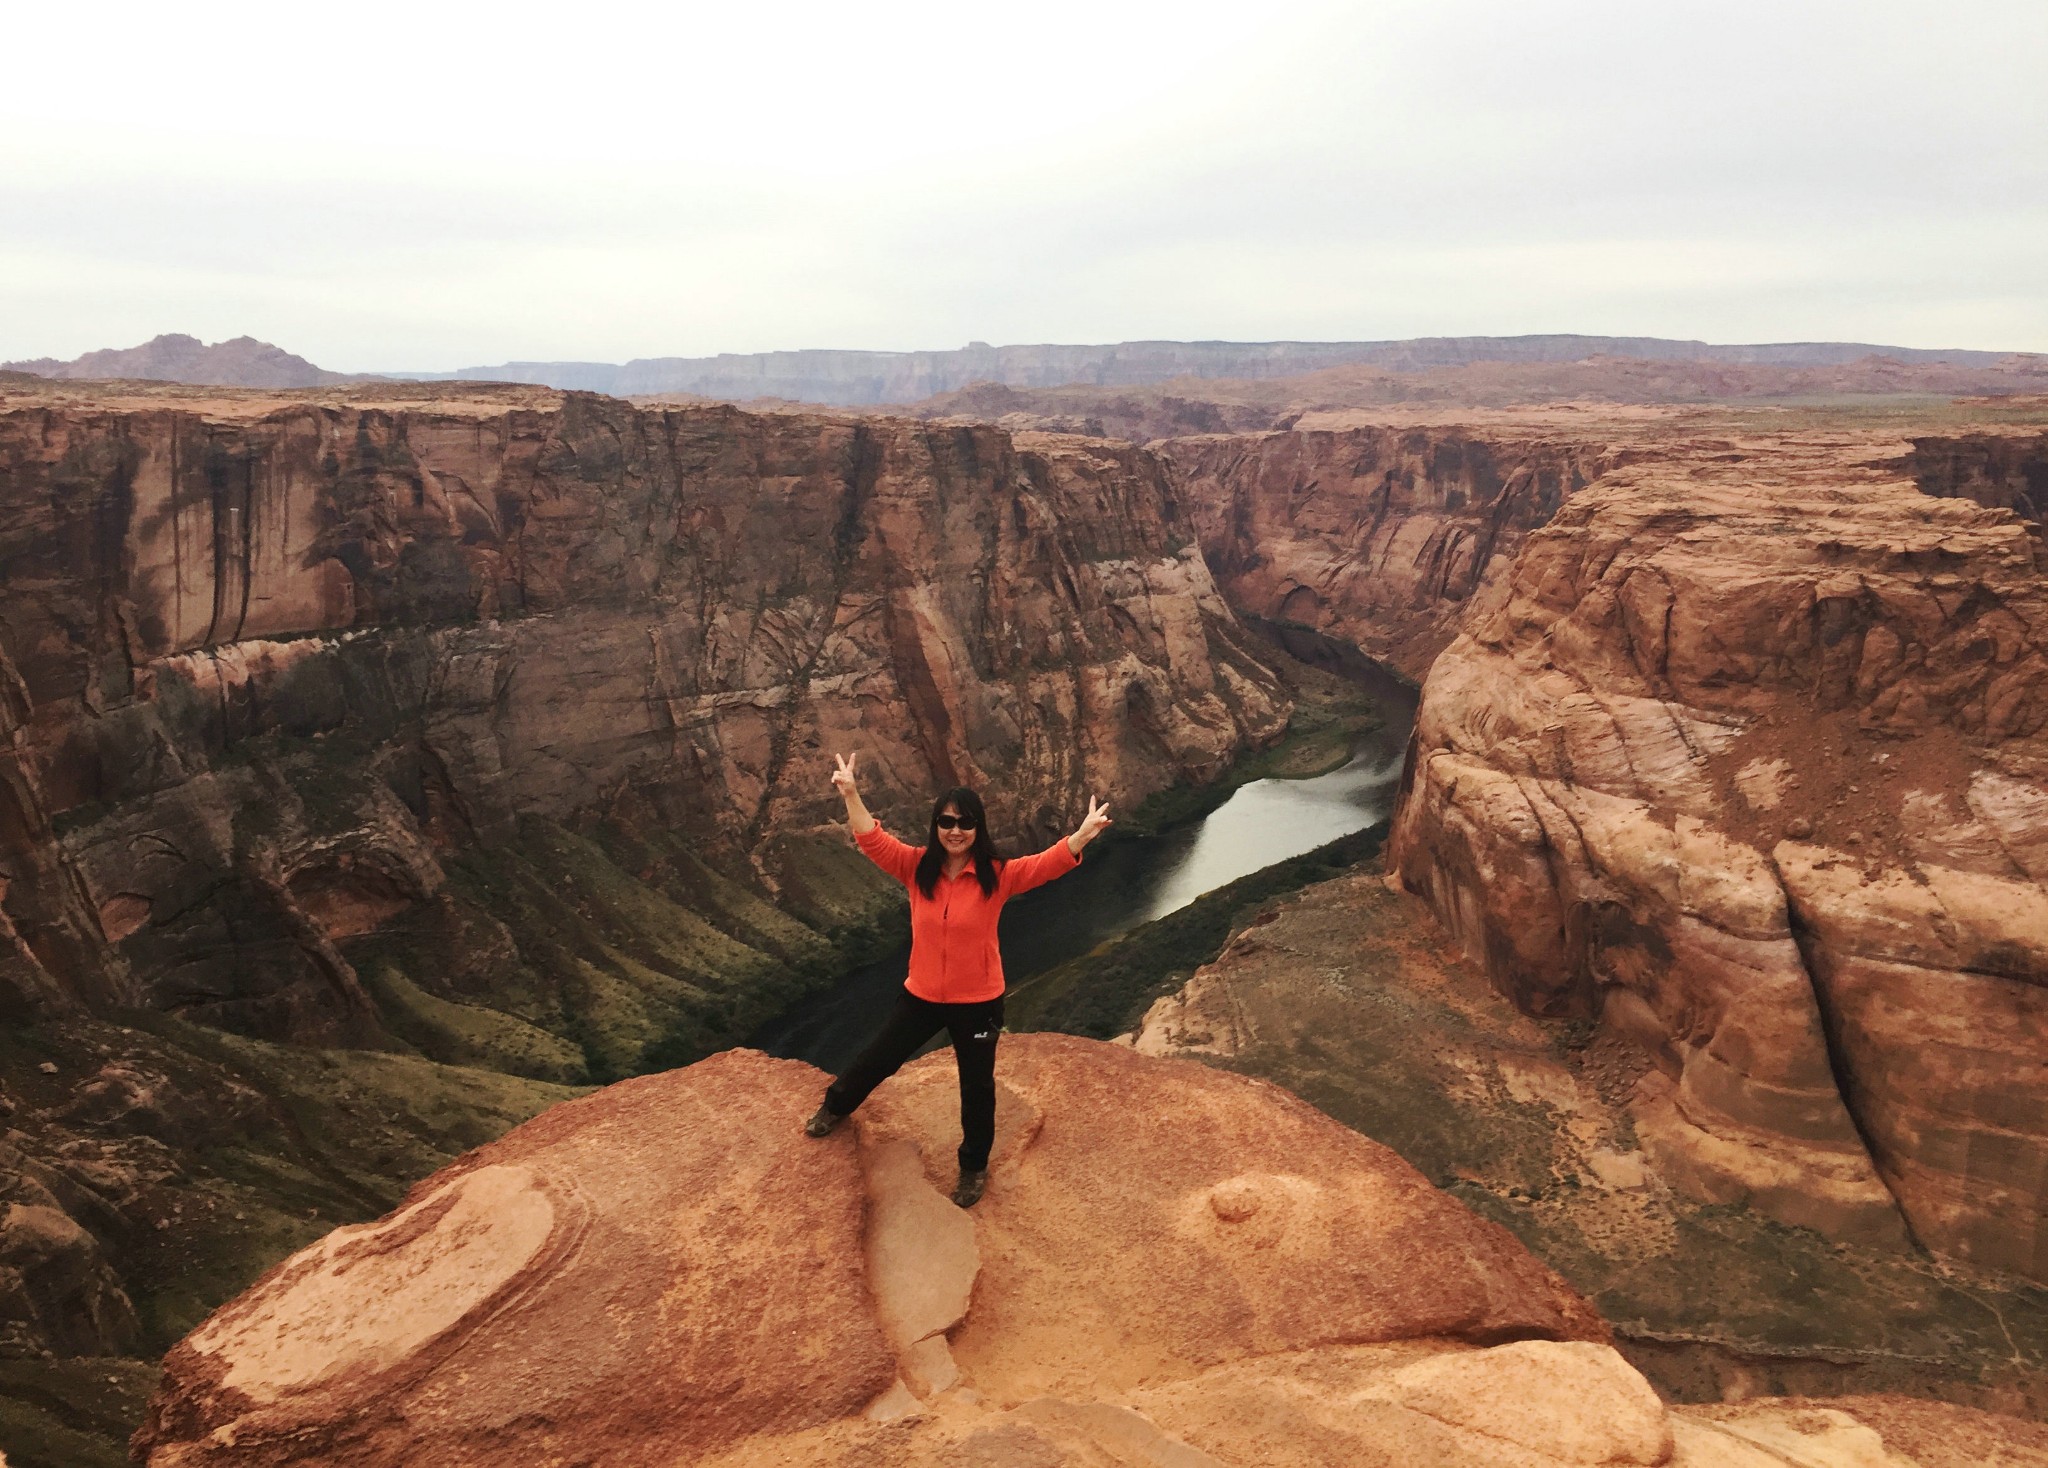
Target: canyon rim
387,764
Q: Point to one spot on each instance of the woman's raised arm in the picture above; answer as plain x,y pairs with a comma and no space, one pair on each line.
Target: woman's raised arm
1057,859
897,858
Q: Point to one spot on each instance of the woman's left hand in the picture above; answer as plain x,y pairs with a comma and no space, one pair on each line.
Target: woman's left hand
1092,826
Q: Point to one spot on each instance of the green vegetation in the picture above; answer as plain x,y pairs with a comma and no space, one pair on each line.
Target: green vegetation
1107,990
469,1034
339,1135
1921,413
74,1412
247,1151
608,953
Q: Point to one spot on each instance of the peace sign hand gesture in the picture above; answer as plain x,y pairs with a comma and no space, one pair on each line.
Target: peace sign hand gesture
1091,825
842,780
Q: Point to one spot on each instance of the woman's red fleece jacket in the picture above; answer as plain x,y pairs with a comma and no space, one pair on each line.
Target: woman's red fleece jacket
953,954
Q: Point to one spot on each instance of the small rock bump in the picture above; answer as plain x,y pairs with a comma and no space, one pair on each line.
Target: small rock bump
1235,1200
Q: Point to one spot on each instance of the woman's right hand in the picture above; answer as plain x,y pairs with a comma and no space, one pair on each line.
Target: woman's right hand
842,780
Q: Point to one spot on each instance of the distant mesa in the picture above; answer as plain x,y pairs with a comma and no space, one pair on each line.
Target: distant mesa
866,379
175,357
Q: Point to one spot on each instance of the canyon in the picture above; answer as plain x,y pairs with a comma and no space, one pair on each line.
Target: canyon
264,667
483,733
476,736
1379,536
1730,741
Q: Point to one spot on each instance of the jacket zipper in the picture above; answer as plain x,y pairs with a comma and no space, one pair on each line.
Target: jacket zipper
945,940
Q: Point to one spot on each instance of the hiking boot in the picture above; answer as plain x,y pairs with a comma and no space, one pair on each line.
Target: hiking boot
967,1192
822,1124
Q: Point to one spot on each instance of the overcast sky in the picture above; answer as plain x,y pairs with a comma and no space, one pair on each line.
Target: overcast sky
424,185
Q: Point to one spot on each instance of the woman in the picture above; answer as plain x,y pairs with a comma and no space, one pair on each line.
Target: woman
957,888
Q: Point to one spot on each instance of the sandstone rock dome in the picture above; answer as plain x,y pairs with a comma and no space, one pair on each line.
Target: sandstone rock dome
1748,760
1174,1266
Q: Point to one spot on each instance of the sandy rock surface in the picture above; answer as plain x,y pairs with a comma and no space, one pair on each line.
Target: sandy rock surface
1263,1226
1173,1266
670,1266
1748,760
634,1277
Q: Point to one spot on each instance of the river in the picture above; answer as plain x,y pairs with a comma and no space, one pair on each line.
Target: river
1133,880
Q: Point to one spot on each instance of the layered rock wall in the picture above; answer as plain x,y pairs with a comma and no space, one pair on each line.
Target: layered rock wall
1379,536
2005,471
1749,761
265,664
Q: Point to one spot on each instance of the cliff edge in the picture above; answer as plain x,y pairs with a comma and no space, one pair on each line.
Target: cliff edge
1173,1266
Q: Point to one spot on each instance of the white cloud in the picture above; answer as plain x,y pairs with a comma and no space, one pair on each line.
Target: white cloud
434,185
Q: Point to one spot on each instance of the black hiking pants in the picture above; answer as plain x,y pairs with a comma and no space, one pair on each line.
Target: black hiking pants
974,1028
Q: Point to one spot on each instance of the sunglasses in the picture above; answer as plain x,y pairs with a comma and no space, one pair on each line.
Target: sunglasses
954,823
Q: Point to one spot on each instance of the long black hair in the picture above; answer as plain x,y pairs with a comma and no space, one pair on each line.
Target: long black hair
986,863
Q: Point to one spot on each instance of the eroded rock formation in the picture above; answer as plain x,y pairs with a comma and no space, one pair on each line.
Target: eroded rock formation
1378,536
1173,1266
2007,471
1747,758
670,1272
265,664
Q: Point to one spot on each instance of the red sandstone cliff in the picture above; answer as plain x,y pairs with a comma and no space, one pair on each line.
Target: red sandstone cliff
1378,536
1748,758
265,662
